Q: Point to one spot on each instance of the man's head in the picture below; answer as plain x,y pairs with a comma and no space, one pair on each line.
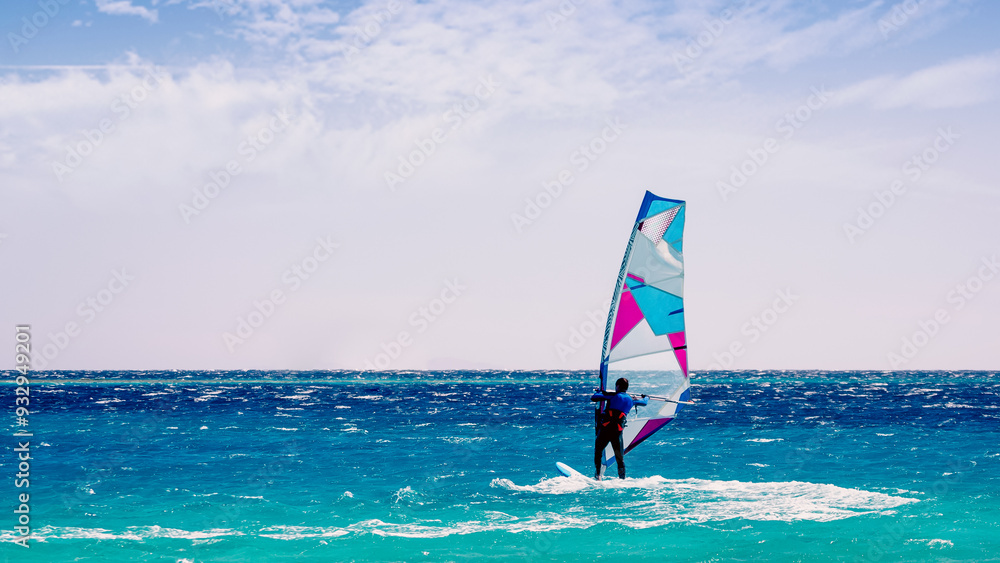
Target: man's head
621,385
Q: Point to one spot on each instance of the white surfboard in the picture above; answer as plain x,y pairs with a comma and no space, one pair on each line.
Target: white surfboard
568,471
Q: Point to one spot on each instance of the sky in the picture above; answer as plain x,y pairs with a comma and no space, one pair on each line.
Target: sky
296,184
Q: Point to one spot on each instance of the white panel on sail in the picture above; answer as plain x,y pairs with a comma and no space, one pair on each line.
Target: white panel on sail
639,342
669,410
658,265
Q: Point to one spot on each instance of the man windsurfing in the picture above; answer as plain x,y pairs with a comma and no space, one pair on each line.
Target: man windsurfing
611,422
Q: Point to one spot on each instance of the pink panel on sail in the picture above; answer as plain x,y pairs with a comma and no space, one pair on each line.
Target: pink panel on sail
629,315
651,426
636,278
676,339
682,360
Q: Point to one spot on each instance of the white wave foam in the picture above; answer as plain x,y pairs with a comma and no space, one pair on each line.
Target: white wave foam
299,532
134,533
652,502
765,440
935,543
463,439
404,494
960,406
700,500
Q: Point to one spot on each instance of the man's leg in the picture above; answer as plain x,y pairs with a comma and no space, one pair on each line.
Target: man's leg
599,445
616,445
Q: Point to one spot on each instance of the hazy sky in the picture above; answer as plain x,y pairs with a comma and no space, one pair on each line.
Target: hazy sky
306,185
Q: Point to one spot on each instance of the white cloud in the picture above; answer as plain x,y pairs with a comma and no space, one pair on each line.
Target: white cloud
324,176
958,83
125,8
426,53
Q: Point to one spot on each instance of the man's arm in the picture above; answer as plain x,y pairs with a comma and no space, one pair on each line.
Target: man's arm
642,400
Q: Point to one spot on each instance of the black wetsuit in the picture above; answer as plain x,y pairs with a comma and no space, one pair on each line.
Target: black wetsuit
610,424
609,434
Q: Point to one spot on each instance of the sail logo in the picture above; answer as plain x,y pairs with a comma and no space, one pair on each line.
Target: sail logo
913,168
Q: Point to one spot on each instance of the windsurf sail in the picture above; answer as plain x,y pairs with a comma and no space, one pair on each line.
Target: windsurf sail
644,339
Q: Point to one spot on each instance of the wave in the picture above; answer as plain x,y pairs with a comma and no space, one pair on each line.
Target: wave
653,502
700,500
135,533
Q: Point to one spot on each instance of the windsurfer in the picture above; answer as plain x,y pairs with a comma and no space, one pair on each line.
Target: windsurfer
611,422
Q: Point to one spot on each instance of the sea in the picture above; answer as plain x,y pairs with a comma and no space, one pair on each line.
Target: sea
186,466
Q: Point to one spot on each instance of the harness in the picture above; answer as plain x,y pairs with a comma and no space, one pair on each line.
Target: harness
614,417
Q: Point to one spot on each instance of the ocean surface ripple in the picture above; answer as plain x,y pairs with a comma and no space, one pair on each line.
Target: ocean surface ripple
429,466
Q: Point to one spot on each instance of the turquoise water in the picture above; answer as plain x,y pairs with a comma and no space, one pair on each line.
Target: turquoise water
459,466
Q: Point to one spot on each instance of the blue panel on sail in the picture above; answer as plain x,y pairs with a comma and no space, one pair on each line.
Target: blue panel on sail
652,201
663,311
675,232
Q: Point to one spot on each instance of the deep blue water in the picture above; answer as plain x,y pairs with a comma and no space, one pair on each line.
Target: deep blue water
459,466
